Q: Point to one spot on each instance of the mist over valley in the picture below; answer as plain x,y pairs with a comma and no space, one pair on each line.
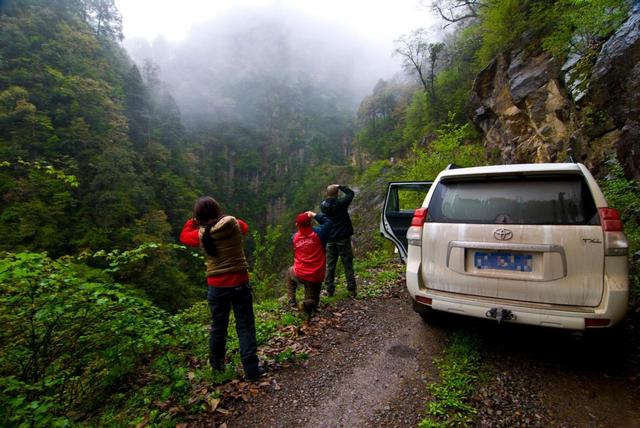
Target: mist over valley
235,66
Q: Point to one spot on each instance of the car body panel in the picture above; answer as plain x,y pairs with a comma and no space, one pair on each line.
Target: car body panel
570,278
565,269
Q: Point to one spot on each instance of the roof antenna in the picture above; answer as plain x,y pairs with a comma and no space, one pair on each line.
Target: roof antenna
570,155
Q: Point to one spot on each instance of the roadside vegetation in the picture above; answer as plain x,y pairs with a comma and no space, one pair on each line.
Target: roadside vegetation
459,371
624,195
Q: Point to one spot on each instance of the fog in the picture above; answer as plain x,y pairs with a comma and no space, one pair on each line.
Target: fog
226,67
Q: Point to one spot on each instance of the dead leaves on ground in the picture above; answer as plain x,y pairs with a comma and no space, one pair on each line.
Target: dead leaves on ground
220,401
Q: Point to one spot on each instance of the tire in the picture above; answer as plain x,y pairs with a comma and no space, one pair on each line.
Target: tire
426,316
425,312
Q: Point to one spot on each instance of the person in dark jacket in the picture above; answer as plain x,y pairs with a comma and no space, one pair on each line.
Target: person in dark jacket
339,244
308,260
221,238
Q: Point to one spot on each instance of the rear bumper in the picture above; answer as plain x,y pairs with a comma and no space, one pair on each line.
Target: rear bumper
613,305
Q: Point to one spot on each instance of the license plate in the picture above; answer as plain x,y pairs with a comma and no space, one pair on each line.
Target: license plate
517,262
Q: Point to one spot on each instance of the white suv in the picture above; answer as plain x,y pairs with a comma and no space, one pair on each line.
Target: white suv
532,244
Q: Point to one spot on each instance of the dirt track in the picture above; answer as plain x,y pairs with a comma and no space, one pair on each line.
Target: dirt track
371,371
372,367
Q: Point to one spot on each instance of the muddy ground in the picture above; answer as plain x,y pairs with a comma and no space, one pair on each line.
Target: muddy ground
372,360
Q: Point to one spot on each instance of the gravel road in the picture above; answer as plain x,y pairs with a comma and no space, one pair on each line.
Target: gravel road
373,361
371,370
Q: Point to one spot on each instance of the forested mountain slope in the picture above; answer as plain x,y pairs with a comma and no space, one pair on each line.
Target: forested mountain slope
268,98
94,151
72,100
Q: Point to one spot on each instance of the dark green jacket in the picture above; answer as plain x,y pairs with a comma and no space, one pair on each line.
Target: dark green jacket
337,211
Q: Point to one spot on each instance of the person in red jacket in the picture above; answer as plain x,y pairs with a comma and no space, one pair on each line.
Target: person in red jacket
221,238
309,262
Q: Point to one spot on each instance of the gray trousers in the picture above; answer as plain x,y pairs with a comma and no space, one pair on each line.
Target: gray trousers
340,248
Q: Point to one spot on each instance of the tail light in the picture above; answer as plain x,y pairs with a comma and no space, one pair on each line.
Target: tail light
425,300
596,322
615,242
414,234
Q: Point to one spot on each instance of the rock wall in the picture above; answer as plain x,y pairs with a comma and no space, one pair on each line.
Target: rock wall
527,113
615,87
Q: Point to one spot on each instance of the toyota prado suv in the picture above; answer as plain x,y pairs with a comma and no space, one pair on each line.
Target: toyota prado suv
531,244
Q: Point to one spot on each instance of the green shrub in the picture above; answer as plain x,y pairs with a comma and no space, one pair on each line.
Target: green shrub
65,339
170,275
579,25
374,171
451,146
264,276
624,195
501,22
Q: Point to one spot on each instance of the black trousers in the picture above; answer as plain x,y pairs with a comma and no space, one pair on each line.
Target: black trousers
221,299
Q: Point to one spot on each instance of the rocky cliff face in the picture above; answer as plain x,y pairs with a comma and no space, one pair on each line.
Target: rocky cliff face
528,110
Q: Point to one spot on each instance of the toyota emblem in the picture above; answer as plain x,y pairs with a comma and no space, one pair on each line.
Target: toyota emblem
503,234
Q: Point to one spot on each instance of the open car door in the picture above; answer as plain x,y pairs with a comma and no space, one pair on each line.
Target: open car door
403,197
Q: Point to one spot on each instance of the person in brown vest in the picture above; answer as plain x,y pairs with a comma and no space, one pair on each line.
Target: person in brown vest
221,237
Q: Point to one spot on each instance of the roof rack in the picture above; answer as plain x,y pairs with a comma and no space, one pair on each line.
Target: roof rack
570,158
452,166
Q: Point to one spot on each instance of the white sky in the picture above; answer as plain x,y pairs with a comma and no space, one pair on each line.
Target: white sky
381,21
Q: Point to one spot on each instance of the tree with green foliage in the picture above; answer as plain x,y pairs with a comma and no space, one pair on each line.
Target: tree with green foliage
36,200
104,17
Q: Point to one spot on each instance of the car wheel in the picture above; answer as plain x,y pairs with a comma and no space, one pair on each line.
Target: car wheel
426,316
425,312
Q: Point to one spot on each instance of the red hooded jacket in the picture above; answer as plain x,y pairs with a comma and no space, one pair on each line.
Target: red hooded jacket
309,249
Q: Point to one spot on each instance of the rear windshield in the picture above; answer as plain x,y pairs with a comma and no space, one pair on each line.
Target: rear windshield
563,199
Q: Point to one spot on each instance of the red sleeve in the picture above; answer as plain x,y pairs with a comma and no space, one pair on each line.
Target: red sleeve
189,235
244,227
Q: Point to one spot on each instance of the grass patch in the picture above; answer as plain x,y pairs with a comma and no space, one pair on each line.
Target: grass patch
225,375
375,273
458,370
289,355
379,282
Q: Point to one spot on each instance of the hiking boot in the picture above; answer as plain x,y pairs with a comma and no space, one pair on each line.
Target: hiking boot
216,366
252,377
292,304
328,293
352,293
309,308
